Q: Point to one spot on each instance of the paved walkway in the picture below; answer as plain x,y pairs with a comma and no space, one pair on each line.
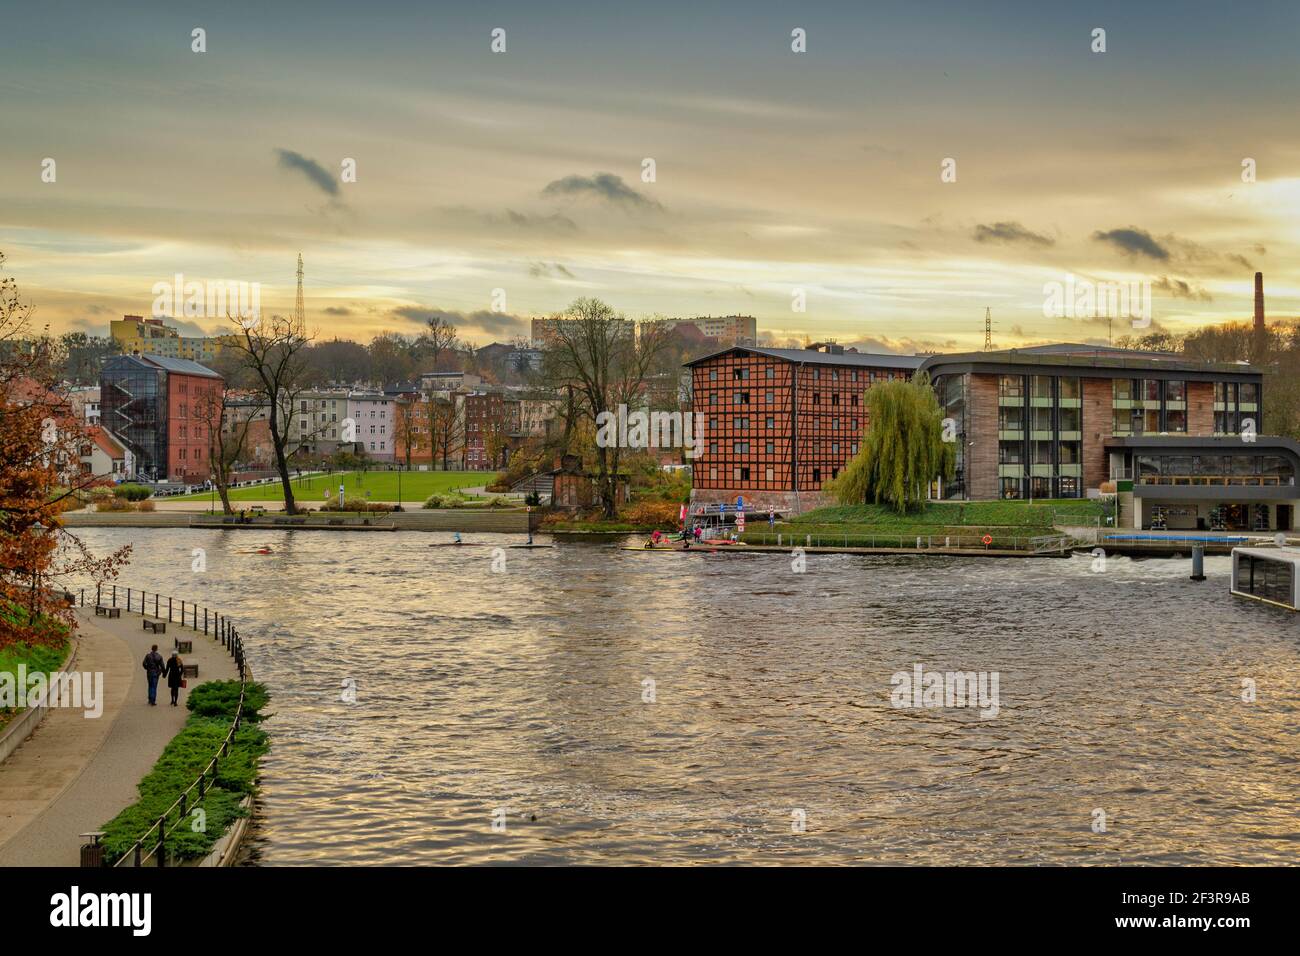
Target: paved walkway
74,774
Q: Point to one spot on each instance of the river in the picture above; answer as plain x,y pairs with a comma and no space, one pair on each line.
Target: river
585,704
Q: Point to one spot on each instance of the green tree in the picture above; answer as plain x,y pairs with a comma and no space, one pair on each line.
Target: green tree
903,449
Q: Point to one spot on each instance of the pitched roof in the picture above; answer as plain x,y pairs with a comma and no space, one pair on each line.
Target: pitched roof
109,445
179,365
811,357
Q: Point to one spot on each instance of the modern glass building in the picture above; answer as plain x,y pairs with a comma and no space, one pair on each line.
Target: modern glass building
133,407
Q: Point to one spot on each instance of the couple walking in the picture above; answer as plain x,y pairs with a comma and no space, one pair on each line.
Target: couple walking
173,670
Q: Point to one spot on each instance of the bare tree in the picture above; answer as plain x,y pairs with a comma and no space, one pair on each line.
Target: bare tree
598,354
228,426
439,338
274,353
444,427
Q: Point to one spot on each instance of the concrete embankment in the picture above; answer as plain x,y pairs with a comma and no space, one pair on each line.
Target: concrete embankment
509,521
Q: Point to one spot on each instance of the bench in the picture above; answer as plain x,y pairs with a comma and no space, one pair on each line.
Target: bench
156,625
103,610
189,670
184,646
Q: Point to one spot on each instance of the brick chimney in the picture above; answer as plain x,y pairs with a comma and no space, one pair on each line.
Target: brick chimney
1259,303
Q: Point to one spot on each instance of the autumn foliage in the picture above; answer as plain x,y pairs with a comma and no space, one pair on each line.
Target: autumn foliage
40,473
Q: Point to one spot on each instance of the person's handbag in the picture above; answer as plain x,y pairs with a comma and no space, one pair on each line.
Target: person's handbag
184,682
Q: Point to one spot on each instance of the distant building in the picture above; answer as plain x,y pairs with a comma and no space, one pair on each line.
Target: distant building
85,403
525,360
546,332
155,406
448,381
317,423
374,415
726,330
485,431
135,333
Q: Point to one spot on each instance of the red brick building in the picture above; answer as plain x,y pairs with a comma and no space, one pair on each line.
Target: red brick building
780,423
486,436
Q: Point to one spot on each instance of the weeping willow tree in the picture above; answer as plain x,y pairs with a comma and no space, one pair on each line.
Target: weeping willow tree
903,449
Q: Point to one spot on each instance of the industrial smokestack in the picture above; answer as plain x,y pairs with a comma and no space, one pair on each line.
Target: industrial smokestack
1259,303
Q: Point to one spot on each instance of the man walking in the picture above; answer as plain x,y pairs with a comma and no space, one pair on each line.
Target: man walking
153,667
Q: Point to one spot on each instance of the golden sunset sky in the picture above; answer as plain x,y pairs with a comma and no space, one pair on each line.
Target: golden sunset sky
775,170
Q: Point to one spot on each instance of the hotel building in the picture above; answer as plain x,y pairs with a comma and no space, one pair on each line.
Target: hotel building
780,423
1181,442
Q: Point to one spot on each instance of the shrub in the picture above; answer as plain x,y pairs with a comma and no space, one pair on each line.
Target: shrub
533,498
132,492
448,499
144,506
212,707
357,504
651,512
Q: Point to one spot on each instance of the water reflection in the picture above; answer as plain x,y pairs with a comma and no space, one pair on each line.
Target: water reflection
522,693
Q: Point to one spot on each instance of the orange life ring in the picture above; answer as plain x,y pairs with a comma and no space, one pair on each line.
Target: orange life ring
987,539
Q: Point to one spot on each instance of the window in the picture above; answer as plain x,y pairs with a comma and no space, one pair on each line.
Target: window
835,398
742,398
713,375
740,447
771,422
771,372
1040,386
1068,388
817,398
1011,386
744,474
1175,391
771,448
817,476
740,374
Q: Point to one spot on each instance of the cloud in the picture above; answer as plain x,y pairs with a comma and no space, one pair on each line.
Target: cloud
1134,242
1242,261
549,270
482,322
1179,289
317,174
336,310
605,186
1011,232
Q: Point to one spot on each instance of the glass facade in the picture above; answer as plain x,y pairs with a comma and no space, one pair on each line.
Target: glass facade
1040,436
1235,404
133,407
952,391
1267,579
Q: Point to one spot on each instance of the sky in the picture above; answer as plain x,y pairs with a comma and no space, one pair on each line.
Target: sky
491,187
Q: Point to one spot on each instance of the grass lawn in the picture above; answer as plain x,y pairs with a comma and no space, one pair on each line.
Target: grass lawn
955,514
43,658
382,485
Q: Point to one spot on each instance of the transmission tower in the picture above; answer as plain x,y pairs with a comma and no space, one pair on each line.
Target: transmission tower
299,313
988,330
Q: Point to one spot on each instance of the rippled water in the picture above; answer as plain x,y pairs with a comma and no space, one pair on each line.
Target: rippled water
480,692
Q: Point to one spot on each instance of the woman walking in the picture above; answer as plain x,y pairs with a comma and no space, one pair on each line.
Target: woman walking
174,672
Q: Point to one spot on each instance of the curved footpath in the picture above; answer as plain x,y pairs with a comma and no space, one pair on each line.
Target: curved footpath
74,774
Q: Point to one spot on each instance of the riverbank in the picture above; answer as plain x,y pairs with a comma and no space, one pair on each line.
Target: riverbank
75,772
501,520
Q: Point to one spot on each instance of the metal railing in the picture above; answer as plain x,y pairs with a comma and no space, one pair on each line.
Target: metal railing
222,630
1038,544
